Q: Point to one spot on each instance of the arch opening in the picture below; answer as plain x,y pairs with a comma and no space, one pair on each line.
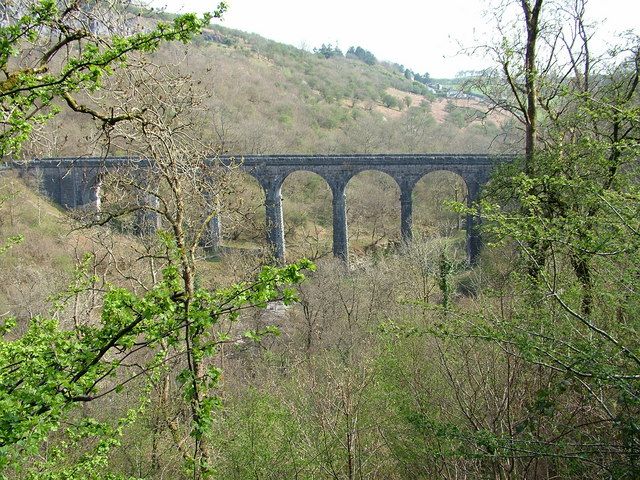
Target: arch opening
432,217
373,212
242,215
308,218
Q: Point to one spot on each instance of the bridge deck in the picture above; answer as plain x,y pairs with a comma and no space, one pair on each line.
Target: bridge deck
295,160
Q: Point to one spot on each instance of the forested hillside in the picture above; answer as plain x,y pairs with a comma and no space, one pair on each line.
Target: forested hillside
267,97
131,347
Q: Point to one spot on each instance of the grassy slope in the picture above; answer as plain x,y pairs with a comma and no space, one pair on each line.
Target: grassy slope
303,103
43,263
267,97
53,245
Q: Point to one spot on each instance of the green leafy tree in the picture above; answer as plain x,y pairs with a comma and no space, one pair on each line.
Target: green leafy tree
361,54
569,210
49,366
422,78
389,100
49,369
52,50
328,51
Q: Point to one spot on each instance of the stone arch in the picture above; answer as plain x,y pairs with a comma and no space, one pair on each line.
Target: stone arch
430,191
307,212
373,209
242,221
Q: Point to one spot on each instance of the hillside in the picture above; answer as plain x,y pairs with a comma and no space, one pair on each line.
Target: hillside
55,242
267,97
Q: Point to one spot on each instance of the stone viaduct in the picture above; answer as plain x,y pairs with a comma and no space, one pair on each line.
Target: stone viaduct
74,182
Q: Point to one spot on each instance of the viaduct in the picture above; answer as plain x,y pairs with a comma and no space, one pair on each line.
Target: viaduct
74,182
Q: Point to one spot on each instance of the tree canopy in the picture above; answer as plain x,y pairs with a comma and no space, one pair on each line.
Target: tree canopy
51,50
361,54
51,53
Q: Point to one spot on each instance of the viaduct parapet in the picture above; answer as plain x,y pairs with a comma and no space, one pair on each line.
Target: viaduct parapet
75,182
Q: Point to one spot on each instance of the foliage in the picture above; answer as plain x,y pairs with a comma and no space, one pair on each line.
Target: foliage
51,50
361,54
390,101
569,209
48,369
328,51
424,79
49,365
501,371
10,242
